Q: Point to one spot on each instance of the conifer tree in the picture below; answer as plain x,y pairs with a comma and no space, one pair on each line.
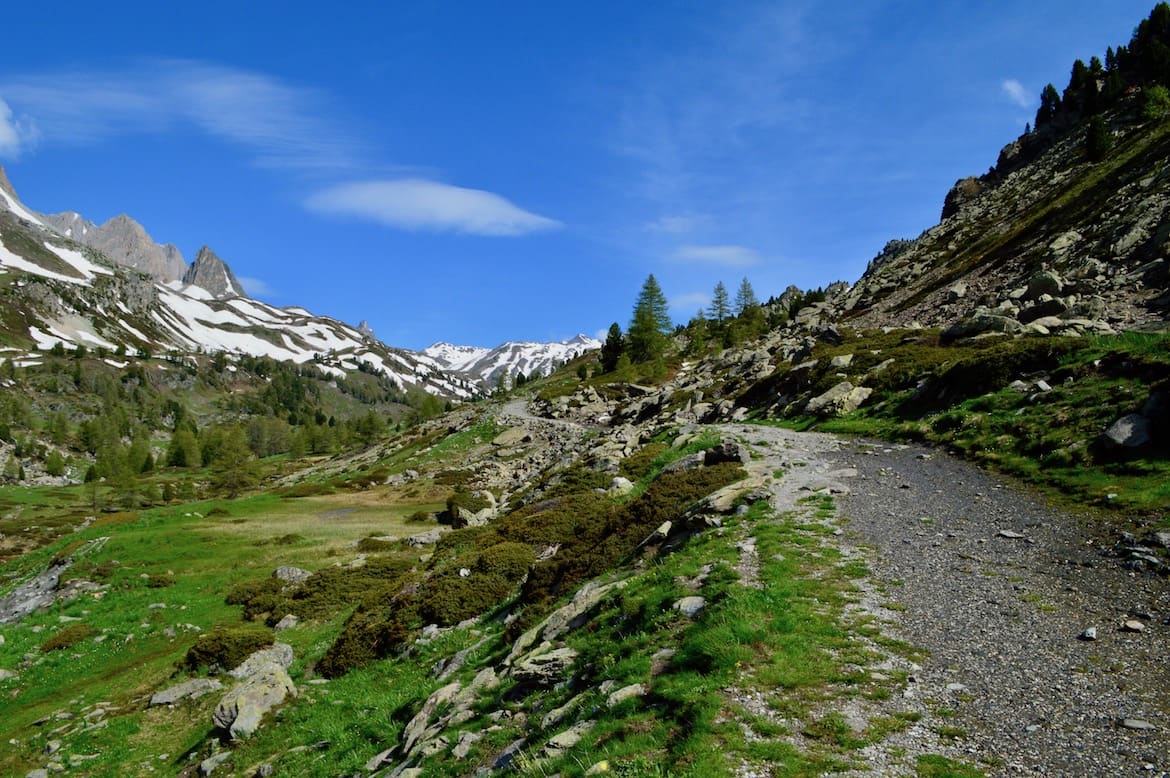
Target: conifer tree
650,324
745,298
612,349
720,304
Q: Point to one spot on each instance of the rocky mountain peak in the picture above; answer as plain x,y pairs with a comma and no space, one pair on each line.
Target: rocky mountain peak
5,184
210,272
125,242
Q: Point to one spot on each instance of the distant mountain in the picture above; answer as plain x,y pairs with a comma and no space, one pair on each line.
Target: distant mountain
484,366
57,288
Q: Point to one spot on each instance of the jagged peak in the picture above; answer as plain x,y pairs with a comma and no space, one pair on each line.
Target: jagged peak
210,272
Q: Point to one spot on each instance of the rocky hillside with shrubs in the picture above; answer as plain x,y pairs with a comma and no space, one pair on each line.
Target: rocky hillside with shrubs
639,565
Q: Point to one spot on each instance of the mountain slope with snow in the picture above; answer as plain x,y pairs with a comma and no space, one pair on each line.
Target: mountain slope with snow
56,290
486,367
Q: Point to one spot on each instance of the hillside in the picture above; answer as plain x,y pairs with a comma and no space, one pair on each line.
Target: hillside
913,525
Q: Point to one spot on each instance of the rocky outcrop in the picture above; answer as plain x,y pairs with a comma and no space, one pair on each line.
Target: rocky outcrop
210,272
125,242
264,685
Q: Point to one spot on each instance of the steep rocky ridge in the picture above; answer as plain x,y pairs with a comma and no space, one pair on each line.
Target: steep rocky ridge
1058,243
124,241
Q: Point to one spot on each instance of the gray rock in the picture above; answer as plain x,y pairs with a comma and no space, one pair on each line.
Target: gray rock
563,741
428,538
1130,431
545,667
193,689
625,693
505,757
1042,283
1138,724
291,575
1090,633
279,654
621,486
686,464
288,622
242,709
841,399
466,742
6,675
690,606
209,765
34,594
726,452
841,361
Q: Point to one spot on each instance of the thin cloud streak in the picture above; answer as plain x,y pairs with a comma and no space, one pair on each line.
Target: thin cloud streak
280,124
1016,92
256,286
727,256
422,205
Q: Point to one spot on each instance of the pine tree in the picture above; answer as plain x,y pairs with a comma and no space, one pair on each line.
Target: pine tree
1098,139
612,349
720,304
1049,106
650,325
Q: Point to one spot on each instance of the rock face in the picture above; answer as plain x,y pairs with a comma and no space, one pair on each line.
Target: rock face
210,272
124,241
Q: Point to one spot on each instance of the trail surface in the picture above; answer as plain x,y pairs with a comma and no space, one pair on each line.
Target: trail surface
999,587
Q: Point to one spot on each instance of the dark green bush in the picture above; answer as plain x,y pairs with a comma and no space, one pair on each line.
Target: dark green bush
225,647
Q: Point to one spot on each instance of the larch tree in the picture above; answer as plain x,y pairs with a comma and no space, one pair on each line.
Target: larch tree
646,335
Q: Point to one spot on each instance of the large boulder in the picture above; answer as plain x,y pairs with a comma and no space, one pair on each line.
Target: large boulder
545,667
265,685
841,399
1130,431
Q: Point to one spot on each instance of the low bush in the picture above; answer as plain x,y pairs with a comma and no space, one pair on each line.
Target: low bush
225,647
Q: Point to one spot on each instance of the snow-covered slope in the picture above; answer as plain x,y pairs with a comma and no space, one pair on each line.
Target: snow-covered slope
486,366
53,289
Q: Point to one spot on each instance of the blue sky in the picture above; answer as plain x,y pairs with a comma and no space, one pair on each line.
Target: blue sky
478,171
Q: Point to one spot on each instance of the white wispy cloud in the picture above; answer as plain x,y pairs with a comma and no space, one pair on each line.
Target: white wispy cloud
255,286
280,124
419,204
1016,92
677,224
692,301
14,134
728,256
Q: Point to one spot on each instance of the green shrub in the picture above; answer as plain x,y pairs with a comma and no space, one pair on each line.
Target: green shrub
638,466
449,598
68,637
225,647
510,561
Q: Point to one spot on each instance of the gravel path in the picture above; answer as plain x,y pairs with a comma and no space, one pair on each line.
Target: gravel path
999,587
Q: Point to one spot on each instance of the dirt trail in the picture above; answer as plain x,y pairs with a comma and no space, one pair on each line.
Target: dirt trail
998,587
